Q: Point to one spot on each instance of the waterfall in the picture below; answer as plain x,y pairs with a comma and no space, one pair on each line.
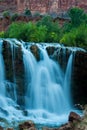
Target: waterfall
47,87
2,73
47,94
67,80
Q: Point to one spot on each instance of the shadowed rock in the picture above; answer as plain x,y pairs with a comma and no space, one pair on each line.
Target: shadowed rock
28,125
35,50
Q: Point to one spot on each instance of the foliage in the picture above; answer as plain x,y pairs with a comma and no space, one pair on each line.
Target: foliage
14,16
53,29
77,16
2,34
43,31
27,12
16,30
6,13
76,37
27,32
34,33
72,33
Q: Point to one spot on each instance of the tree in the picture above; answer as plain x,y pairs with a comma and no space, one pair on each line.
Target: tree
77,16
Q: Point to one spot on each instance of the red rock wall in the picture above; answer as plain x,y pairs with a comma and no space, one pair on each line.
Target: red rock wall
41,5
10,5
50,5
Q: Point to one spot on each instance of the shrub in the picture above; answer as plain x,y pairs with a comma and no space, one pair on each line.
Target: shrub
27,12
16,30
2,34
68,39
14,17
34,33
53,29
6,14
27,32
76,37
77,16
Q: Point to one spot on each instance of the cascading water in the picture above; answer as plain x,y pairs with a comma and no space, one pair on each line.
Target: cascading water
2,76
67,80
13,69
47,89
47,97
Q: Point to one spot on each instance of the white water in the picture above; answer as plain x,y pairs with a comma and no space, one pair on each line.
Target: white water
48,99
48,88
2,76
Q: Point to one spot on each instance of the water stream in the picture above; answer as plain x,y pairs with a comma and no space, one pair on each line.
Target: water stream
48,99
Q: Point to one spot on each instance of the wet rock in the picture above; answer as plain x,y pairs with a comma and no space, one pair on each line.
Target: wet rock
28,125
50,50
1,128
14,67
10,129
79,78
74,117
35,50
67,126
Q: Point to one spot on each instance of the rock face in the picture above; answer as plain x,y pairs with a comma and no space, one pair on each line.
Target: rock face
14,68
42,6
10,5
79,75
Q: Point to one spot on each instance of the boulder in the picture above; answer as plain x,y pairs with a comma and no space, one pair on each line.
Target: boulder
74,117
28,125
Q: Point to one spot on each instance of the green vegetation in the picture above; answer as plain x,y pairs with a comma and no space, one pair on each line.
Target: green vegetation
42,31
27,12
6,14
2,34
76,37
73,33
14,17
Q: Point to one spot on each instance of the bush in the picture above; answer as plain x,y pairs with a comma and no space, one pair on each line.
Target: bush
77,16
34,33
14,17
16,30
53,29
6,14
2,34
27,32
68,39
27,12
76,37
